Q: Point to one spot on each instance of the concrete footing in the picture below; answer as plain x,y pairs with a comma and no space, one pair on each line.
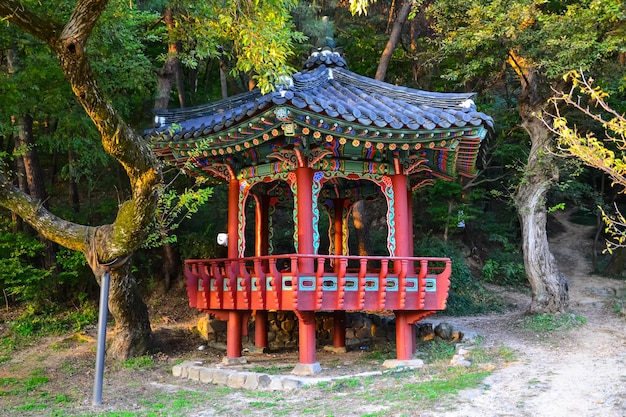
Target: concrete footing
234,361
304,369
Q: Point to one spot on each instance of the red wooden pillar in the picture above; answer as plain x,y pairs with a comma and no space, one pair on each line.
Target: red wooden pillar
260,329
338,225
339,329
409,198
401,212
306,331
261,248
261,225
304,179
234,323
306,322
233,333
233,218
405,336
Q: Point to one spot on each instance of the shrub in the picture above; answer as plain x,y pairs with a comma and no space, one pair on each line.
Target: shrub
467,296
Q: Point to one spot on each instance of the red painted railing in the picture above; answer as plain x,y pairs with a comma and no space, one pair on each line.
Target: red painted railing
289,282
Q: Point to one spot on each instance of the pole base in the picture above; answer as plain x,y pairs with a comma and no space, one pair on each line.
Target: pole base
234,361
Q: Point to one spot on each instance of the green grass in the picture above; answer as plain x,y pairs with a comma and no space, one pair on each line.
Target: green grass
142,362
432,390
379,355
345,384
17,387
394,392
389,393
553,322
433,351
271,370
30,327
425,393
482,355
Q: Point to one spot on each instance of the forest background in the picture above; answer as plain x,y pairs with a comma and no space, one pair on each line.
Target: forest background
158,54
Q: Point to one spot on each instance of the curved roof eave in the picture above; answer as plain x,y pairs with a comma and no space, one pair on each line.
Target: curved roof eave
333,92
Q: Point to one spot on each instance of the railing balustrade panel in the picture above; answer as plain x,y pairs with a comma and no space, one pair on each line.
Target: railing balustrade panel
276,283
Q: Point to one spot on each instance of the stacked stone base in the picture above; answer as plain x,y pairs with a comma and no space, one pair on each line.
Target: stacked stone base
362,330
234,378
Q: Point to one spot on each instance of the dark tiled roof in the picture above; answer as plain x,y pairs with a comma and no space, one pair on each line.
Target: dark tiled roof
329,88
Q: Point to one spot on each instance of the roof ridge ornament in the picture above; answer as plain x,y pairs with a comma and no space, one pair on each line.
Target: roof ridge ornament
327,56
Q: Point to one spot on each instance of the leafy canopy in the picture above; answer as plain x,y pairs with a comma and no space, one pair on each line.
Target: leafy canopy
258,35
555,37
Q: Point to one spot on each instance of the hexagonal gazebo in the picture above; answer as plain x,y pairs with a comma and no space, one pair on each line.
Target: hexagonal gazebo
322,141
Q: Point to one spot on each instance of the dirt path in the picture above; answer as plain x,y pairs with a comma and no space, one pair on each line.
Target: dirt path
580,373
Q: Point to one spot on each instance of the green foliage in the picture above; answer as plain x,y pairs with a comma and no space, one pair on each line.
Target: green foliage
484,34
19,279
32,324
119,57
554,322
72,268
22,282
467,296
257,36
172,208
605,154
504,269
449,207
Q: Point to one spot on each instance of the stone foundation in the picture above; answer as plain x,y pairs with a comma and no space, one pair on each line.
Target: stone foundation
362,330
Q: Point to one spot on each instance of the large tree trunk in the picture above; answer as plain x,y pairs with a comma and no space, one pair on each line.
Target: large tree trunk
25,143
74,197
171,72
616,263
132,324
549,286
394,37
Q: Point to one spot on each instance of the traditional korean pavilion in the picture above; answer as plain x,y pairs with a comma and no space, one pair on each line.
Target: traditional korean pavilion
325,139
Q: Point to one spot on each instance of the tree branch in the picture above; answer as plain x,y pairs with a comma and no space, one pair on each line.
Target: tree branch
16,13
53,228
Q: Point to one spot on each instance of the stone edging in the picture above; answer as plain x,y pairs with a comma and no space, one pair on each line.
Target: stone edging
237,379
